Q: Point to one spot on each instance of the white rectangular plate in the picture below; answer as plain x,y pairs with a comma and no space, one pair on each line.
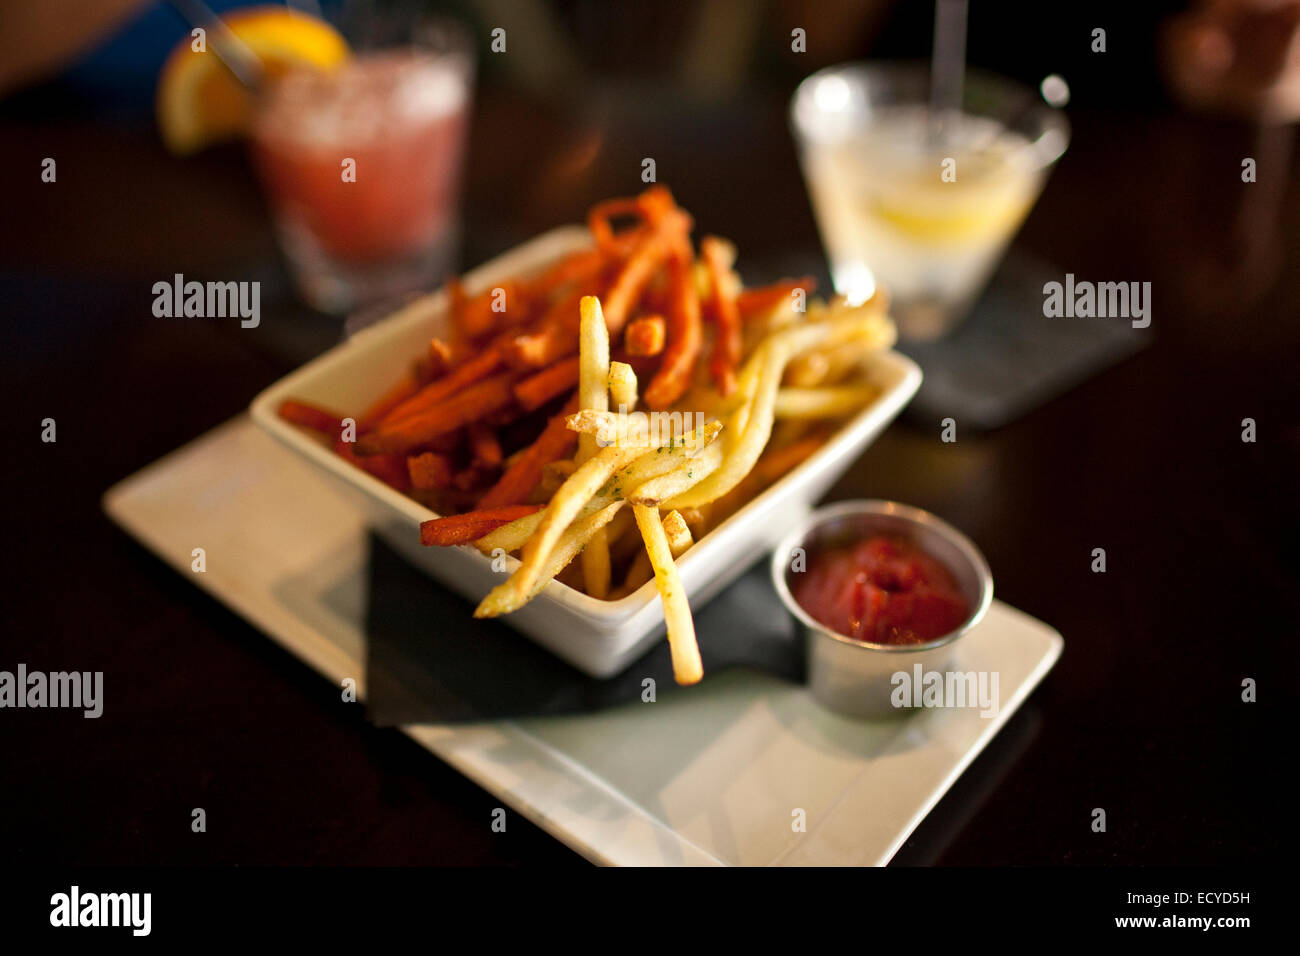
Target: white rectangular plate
705,776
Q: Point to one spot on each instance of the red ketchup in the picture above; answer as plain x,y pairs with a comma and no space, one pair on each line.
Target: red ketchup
883,591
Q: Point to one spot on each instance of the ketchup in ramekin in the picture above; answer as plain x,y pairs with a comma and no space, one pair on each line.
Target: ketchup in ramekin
882,590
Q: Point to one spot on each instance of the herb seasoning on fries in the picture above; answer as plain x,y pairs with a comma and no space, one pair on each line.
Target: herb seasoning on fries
612,408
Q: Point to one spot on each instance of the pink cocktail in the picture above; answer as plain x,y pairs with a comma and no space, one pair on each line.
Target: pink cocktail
361,167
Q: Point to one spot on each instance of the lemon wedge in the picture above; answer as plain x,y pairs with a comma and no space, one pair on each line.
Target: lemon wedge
200,101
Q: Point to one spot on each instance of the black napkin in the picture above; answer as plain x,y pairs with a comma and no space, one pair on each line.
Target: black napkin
429,661
1008,358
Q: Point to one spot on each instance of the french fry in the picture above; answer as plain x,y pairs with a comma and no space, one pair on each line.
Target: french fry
537,390
550,339
754,303
640,571
763,374
429,470
718,259
481,398
684,337
645,336
311,416
622,386
507,597
484,445
504,304
464,528
665,459
684,476
576,268
542,347
390,469
511,537
458,379
582,485
593,395
632,279
827,402
554,474
387,402
652,206
678,535
441,355
525,470
610,428
616,533
687,667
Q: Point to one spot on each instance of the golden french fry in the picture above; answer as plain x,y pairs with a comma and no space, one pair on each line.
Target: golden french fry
603,427
510,537
825,402
686,475
616,534
678,535
582,485
763,374
638,573
687,667
554,474
664,460
506,597
622,386
593,395
513,536
593,361
679,538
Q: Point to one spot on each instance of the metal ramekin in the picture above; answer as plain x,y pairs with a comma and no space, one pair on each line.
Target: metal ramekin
851,676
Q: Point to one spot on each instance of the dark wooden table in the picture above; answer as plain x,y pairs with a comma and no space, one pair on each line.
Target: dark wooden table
1142,716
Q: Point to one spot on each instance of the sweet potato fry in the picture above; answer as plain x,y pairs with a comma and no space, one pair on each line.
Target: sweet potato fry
652,250
552,337
484,445
537,390
684,337
645,336
429,471
503,305
576,268
554,443
399,393
753,303
390,469
718,258
441,357
312,416
476,401
460,378
462,529
652,206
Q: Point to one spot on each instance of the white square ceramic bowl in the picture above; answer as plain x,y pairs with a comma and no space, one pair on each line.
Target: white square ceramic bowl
597,637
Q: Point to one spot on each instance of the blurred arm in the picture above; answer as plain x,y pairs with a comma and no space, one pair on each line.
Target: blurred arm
38,38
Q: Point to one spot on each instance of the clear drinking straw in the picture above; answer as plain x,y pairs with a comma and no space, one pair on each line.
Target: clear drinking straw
947,67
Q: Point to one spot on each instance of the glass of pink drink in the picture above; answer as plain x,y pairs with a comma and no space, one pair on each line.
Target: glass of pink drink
361,166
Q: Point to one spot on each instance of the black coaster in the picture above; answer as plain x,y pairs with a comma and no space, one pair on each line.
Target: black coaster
429,661
1008,358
